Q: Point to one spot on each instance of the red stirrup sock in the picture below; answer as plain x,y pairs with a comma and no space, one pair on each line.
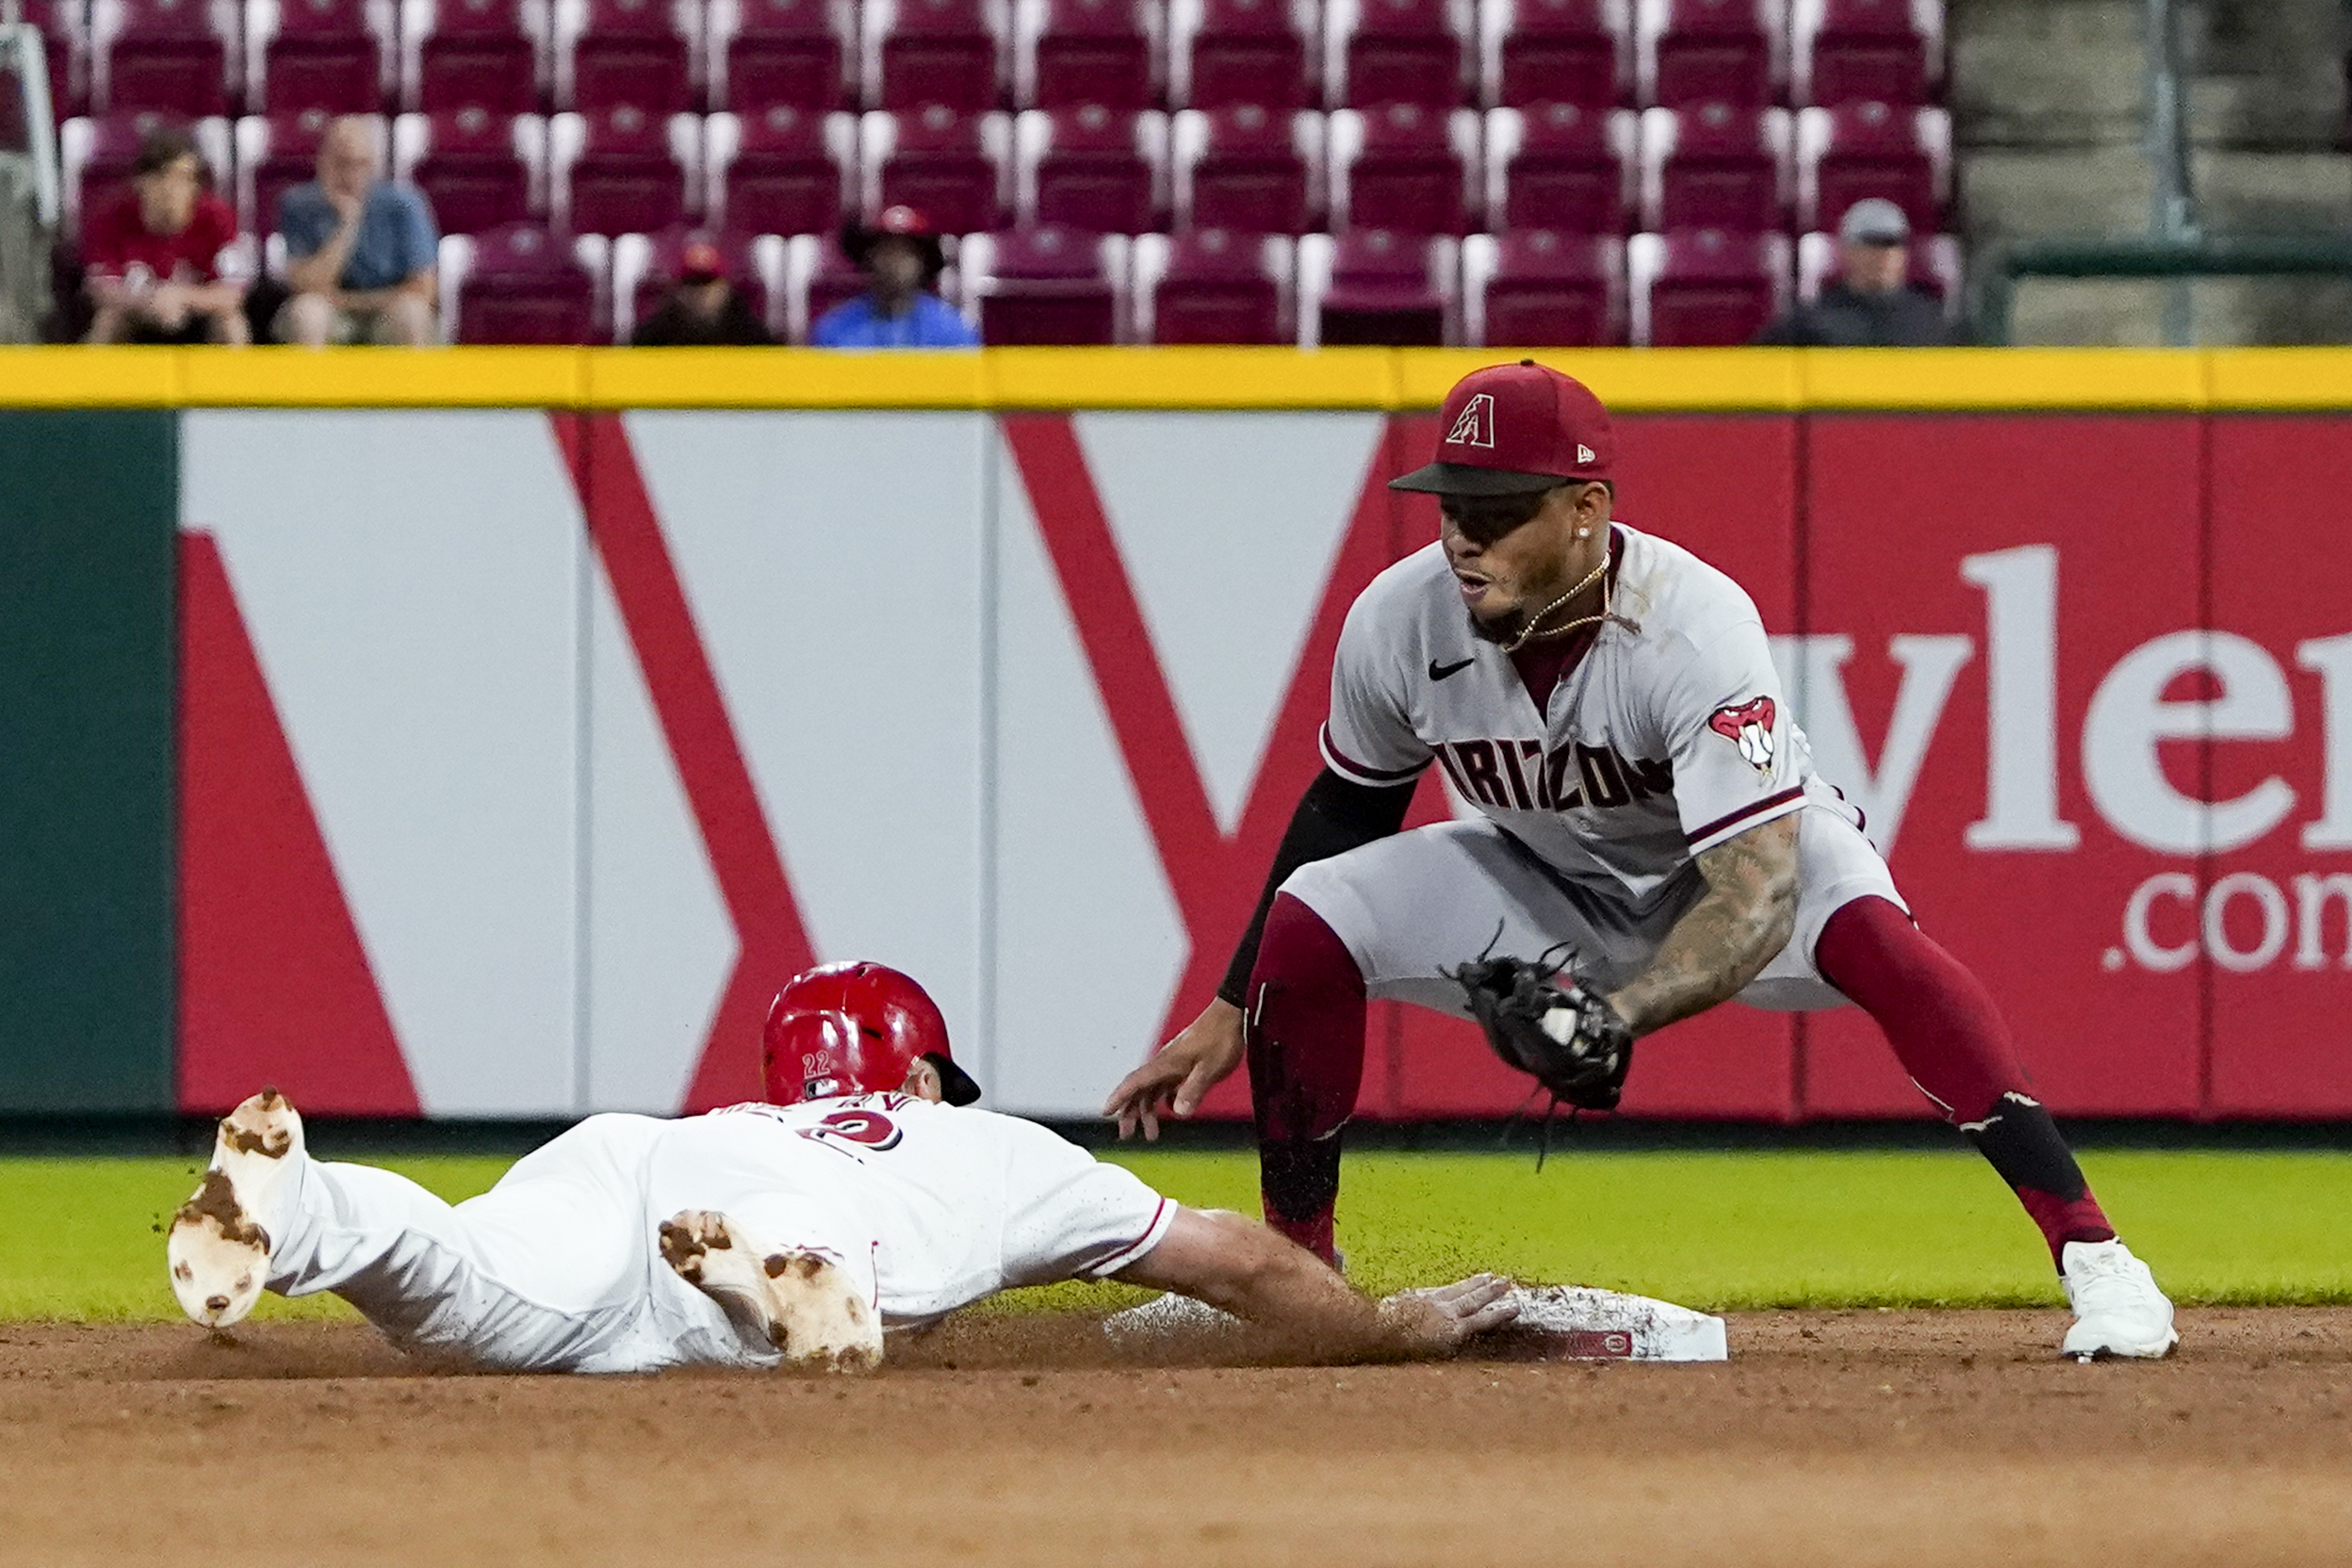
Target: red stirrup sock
1951,1040
1304,1023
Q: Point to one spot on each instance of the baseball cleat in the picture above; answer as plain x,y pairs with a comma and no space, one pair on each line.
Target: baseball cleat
218,1251
2117,1309
804,1305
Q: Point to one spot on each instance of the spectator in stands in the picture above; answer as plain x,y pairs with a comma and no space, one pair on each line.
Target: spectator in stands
1873,302
360,250
902,259
163,264
703,308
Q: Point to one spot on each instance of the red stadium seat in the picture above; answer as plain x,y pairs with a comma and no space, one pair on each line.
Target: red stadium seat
1223,52
645,266
1405,168
1214,285
279,152
1538,287
1372,286
1933,263
1576,52
1246,168
523,284
332,55
954,168
96,155
817,277
180,57
479,169
1047,286
488,54
1704,287
1556,166
1092,167
1715,167
1709,51
789,53
916,53
1872,149
65,28
1070,53
779,171
623,171
1852,51
645,54
1394,52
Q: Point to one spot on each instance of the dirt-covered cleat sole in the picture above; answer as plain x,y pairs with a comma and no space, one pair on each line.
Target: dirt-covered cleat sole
804,1305
217,1250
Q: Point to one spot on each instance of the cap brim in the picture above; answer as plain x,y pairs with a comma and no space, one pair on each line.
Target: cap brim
1464,479
955,1084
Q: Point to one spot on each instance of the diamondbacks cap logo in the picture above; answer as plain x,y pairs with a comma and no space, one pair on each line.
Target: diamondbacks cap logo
1474,425
1748,726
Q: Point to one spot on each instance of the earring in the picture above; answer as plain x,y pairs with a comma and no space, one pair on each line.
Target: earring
1584,533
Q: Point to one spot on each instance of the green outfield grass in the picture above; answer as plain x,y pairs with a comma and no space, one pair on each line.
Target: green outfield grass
1711,1229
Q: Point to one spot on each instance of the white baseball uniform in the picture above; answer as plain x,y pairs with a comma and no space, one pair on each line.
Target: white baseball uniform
928,1207
1668,737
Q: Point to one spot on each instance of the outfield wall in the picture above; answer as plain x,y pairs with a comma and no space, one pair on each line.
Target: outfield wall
523,745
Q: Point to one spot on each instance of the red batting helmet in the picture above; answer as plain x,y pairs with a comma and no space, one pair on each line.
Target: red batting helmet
854,1028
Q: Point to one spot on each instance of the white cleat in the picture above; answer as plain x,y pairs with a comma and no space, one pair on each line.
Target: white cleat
217,1250
804,1305
2117,1309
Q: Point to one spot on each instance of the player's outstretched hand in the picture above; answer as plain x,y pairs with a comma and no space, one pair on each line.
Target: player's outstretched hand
1185,1068
1440,1317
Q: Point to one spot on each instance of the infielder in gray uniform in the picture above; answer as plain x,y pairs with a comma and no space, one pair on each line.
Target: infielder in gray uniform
1647,806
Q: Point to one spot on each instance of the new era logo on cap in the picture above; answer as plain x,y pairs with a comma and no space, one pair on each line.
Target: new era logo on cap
1474,425
1584,453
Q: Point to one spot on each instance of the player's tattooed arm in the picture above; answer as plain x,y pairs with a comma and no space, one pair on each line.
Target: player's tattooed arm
1723,941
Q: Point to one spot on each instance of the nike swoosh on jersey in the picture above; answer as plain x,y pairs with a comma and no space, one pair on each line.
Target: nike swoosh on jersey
1439,672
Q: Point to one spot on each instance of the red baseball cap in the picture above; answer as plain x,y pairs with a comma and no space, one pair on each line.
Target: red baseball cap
1511,430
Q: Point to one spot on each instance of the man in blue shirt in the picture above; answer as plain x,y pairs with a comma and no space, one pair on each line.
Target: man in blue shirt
902,259
360,251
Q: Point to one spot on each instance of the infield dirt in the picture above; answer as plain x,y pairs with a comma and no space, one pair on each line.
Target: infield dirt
1917,1438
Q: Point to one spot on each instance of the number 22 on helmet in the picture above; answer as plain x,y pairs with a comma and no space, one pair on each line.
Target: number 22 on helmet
854,1028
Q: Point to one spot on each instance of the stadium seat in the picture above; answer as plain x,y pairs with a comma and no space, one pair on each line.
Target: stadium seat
782,170
645,266
486,55
1372,286
479,169
278,152
1709,51
1092,167
1704,287
917,53
1714,166
817,277
1872,149
523,284
954,168
96,154
177,56
788,54
1405,168
330,55
1933,263
65,28
1394,52
622,171
1554,51
1223,52
1852,51
645,54
1246,168
1539,287
1214,285
1070,53
1559,166
1050,284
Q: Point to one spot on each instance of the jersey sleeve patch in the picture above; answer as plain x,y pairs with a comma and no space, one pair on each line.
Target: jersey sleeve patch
1748,726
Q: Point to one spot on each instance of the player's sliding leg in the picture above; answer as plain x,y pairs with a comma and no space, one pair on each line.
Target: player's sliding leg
1304,1024
1951,1039
218,1248
809,1308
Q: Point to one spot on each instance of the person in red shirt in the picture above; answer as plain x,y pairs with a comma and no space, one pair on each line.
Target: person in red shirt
162,267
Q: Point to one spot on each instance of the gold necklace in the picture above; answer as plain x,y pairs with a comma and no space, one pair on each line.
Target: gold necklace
1527,632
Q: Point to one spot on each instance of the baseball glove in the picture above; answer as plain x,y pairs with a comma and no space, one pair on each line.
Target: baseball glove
1573,1041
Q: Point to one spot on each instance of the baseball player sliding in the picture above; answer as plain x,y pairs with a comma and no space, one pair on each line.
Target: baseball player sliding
865,1195
1652,840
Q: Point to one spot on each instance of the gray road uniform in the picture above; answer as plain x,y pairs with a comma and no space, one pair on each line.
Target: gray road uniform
1668,737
